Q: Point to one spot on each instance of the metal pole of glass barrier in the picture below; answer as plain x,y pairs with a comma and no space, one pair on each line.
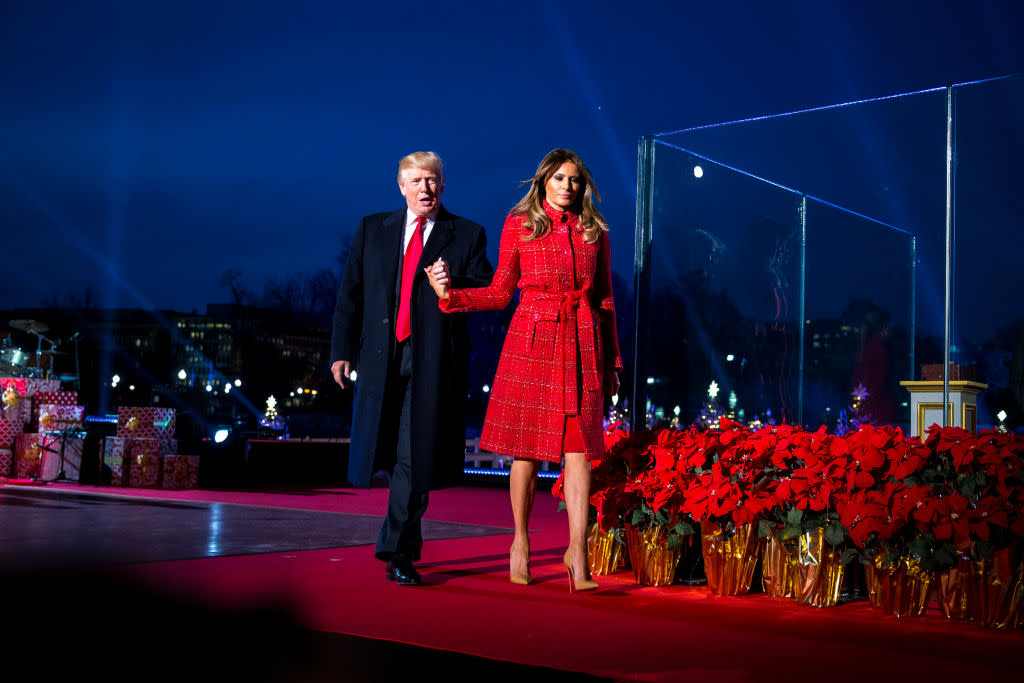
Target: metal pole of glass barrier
802,214
949,256
641,280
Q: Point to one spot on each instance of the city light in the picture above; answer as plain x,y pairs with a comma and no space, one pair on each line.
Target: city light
227,388
115,379
730,357
209,387
182,375
352,376
238,382
676,411
131,387
299,390
487,388
698,172
650,380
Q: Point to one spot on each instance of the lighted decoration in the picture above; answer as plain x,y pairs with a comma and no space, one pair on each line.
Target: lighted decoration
713,390
1002,421
271,418
852,417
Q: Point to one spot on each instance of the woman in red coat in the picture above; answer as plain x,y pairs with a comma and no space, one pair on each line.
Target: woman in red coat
560,352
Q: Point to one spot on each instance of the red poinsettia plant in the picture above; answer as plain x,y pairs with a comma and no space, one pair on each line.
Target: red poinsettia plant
956,495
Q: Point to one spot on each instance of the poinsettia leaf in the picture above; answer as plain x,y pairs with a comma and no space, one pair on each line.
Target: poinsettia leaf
967,487
673,542
945,555
764,528
983,549
835,534
562,505
848,555
637,517
684,528
911,480
794,517
918,547
790,532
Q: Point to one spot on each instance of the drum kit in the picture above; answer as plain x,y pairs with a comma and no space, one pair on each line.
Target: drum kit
16,362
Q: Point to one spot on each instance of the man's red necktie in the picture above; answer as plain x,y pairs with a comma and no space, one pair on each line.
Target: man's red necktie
403,328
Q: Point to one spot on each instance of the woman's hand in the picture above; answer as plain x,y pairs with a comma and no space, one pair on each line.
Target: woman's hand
611,382
440,278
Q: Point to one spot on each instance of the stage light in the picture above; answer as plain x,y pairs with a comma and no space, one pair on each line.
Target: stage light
221,435
292,394
650,380
238,382
182,374
227,388
487,388
730,357
209,387
115,379
1001,415
299,390
698,172
131,387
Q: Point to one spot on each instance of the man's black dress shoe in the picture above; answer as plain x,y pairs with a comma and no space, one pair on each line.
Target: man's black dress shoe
401,571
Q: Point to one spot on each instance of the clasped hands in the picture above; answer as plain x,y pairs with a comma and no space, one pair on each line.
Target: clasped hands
440,277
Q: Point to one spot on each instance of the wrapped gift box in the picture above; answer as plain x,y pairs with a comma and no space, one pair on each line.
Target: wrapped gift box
146,423
8,430
6,462
181,471
57,417
115,463
28,455
49,398
71,449
146,469
17,407
29,386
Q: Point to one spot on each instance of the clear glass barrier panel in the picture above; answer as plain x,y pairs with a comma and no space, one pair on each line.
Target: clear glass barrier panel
859,318
988,311
723,318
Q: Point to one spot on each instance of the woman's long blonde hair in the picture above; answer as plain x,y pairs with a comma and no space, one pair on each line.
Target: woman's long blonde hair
531,206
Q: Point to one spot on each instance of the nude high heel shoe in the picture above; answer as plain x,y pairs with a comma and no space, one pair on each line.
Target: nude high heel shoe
574,583
523,579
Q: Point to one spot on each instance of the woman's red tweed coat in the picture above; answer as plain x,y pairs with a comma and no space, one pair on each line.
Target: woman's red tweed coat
560,343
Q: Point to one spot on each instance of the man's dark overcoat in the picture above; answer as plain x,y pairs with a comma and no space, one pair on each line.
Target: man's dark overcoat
364,333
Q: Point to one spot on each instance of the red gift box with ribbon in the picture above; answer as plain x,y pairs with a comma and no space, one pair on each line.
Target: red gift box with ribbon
28,455
62,454
181,471
115,463
146,423
147,463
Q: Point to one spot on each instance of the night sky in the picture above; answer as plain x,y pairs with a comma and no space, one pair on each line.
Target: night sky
146,147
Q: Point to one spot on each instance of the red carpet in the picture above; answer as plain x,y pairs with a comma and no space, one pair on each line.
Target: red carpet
622,631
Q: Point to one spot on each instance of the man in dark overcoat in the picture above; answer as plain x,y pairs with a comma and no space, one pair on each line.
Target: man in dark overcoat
412,360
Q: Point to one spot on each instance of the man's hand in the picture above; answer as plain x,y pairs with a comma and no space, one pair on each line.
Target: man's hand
341,370
440,277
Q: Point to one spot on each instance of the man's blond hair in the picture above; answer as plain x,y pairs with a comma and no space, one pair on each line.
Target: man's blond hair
429,160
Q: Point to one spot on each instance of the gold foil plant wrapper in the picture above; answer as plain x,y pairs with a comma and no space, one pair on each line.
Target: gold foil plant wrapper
604,551
729,562
652,562
818,574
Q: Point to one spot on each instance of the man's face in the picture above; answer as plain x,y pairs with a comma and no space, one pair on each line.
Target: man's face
422,188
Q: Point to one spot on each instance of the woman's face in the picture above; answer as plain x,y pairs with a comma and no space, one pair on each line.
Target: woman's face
563,186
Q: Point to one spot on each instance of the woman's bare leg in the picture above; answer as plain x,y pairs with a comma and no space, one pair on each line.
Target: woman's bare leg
522,487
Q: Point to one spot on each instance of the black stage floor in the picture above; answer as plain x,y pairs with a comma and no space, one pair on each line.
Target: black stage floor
52,528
